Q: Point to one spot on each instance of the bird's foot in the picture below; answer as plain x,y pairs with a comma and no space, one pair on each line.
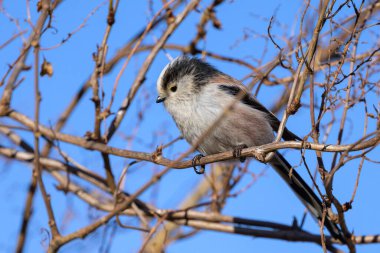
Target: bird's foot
237,152
196,160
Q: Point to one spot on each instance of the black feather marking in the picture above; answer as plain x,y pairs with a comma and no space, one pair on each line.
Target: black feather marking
200,71
303,190
249,100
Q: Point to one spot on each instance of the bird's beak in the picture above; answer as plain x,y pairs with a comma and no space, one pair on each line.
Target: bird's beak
160,99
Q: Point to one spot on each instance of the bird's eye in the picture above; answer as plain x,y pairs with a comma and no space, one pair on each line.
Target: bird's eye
173,89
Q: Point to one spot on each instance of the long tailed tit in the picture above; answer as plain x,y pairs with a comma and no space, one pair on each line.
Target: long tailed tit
196,94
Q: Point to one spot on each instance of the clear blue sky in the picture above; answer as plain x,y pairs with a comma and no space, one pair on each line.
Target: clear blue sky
269,198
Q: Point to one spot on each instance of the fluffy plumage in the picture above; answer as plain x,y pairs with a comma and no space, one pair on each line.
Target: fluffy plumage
196,94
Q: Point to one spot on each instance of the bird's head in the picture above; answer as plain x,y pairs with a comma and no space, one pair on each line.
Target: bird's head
183,79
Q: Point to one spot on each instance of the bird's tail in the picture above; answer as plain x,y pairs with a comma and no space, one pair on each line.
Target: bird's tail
304,193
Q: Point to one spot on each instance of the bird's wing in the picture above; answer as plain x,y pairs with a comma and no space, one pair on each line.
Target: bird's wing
249,100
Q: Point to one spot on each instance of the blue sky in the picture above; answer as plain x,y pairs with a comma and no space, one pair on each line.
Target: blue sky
268,199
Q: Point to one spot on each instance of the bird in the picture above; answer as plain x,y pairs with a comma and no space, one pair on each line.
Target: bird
195,94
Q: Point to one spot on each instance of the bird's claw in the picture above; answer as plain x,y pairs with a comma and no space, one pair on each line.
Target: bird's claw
237,152
195,160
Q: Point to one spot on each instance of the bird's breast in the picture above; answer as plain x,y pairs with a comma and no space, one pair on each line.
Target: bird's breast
194,116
